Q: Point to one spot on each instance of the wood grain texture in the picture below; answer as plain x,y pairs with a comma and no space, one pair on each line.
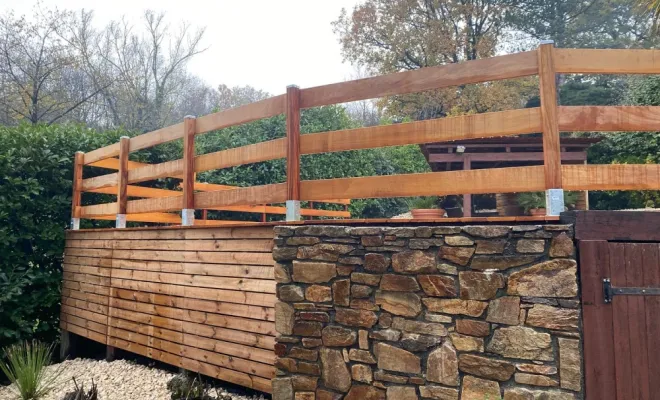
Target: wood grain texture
98,209
160,204
78,165
102,153
265,194
122,175
607,61
618,225
495,180
475,71
101,181
504,123
139,191
609,118
188,184
113,163
612,177
250,112
252,153
195,298
156,171
293,143
549,121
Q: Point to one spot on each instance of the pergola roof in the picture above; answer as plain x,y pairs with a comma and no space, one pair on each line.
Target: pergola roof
501,152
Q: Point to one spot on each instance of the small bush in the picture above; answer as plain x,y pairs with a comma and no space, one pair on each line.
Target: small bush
25,368
80,394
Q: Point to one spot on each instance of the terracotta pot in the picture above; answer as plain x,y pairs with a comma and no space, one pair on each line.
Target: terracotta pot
428,213
537,212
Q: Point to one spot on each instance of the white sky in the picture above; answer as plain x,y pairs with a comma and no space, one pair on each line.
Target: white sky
268,44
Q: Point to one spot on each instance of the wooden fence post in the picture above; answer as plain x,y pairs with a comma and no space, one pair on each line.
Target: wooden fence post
188,207
293,153
78,164
122,181
554,194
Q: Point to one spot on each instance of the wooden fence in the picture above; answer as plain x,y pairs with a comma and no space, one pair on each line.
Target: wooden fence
549,118
200,299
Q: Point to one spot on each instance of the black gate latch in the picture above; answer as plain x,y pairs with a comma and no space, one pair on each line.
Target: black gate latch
610,291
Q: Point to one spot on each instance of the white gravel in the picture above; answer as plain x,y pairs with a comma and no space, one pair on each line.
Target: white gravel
117,380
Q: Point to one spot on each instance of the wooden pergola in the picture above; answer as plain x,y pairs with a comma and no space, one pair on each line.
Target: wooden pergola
498,153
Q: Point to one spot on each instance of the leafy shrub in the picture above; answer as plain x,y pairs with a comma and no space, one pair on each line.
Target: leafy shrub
184,387
35,203
79,392
25,368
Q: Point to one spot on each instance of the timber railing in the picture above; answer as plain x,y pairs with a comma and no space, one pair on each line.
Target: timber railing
549,119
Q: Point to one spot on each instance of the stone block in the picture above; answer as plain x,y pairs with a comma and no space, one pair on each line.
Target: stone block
395,359
438,285
479,285
413,262
554,278
442,365
471,308
521,342
399,303
313,272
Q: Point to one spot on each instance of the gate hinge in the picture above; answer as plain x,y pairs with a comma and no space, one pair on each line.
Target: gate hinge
610,291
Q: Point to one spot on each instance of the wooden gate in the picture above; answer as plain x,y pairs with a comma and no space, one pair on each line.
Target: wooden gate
621,316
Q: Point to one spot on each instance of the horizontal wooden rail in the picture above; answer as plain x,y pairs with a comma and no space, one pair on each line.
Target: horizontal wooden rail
612,177
504,123
308,212
607,61
495,180
254,195
475,71
609,118
223,119
165,218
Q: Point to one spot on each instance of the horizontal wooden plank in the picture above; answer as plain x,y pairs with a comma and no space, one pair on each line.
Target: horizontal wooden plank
113,163
264,194
607,61
219,346
84,269
156,171
611,177
90,297
85,314
503,123
98,209
85,305
97,253
495,180
83,323
252,153
84,332
139,191
609,118
248,232
86,278
264,258
307,212
98,182
228,296
87,261
217,307
99,154
475,71
200,317
160,136
618,225
161,204
250,112
229,270
86,288
220,245
216,282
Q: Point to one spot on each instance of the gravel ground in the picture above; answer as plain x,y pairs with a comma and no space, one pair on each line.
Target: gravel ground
117,380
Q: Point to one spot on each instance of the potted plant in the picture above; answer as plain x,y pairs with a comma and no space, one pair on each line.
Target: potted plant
533,203
426,208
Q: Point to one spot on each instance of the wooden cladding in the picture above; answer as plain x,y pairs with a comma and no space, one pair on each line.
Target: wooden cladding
200,299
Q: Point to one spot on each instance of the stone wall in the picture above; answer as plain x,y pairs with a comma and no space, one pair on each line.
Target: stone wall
436,312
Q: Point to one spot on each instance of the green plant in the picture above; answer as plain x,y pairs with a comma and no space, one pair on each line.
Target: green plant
423,203
531,200
79,392
26,369
183,387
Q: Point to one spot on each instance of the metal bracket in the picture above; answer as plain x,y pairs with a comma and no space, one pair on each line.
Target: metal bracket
610,291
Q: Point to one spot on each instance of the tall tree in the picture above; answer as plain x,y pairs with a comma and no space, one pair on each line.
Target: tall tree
395,35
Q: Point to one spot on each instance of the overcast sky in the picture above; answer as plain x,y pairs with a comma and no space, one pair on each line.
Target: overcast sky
267,44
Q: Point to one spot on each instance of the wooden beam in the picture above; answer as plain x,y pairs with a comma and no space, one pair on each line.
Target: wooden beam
607,61
492,180
113,163
609,118
504,123
467,197
293,142
122,186
188,163
261,209
612,177
139,191
549,121
156,171
250,112
98,209
99,154
166,218
475,71
78,164
161,204
99,182
265,194
566,156
160,136
249,154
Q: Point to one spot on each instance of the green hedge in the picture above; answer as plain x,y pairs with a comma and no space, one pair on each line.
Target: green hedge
35,204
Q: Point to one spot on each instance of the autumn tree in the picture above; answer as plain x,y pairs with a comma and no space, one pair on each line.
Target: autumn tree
395,35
